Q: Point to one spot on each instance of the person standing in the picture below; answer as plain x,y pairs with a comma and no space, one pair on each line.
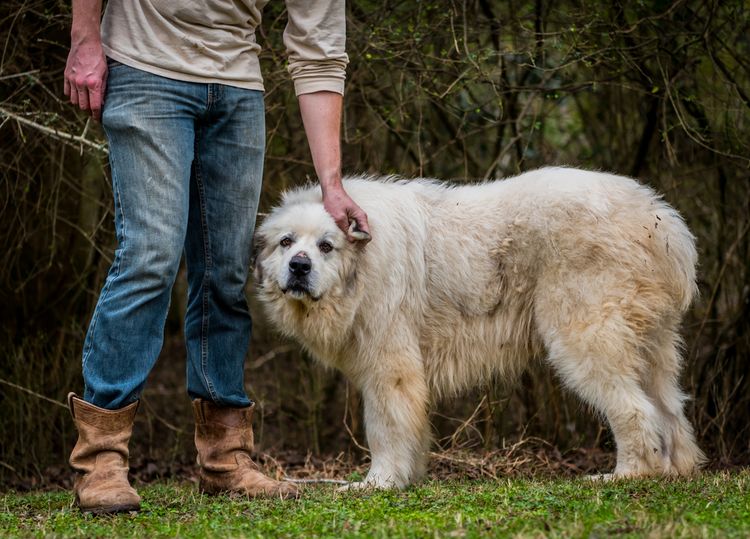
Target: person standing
178,89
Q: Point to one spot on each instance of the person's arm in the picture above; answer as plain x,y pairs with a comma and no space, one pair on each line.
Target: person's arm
86,69
316,40
321,115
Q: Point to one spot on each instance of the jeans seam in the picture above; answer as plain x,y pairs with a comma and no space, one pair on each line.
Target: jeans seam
118,263
206,272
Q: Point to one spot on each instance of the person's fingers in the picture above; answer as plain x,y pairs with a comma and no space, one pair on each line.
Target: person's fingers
349,217
83,97
95,102
358,228
73,93
83,93
105,77
355,234
66,86
342,221
361,218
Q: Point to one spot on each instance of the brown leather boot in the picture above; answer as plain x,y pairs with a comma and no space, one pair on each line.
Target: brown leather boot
224,440
101,457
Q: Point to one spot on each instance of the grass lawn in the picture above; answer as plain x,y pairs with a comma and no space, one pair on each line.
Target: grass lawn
711,505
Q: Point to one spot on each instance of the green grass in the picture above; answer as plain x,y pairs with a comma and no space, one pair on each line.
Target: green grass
711,505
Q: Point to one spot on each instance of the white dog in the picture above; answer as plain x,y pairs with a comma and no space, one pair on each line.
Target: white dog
590,272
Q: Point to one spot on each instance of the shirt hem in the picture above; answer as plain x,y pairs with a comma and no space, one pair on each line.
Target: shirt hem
176,75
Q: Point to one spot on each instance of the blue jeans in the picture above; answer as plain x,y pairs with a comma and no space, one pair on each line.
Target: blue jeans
187,164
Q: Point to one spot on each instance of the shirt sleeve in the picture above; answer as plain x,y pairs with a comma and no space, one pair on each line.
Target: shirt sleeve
315,38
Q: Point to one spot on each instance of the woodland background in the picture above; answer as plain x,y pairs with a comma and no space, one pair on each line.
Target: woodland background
658,90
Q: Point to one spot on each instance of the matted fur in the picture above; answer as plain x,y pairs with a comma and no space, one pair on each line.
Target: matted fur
590,272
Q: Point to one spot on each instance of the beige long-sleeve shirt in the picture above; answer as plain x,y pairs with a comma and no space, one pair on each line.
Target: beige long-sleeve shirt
214,40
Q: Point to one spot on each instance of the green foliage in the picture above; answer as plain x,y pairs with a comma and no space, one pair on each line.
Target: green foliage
713,505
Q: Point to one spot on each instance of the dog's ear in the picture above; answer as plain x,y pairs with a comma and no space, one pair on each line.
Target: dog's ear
357,234
259,243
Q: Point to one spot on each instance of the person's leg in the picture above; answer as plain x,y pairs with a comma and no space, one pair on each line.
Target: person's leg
149,122
224,191
225,188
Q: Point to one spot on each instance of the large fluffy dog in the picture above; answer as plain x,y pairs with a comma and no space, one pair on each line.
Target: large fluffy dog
589,271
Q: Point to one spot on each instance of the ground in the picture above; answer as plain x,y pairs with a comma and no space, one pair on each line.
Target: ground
713,504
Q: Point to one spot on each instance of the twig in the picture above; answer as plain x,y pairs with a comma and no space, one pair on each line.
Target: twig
346,424
30,392
6,465
73,140
268,356
15,75
161,419
309,481
727,257
463,426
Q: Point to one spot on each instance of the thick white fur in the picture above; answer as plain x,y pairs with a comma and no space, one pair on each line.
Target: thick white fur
588,271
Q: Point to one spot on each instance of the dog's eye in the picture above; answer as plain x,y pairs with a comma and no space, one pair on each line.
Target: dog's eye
285,242
325,247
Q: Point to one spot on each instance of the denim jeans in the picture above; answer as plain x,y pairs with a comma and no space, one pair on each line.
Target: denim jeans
187,164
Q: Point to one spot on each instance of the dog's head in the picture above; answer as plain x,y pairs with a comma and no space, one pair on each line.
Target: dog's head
301,255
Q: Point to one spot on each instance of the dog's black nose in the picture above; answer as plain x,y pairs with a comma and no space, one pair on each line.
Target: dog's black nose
300,265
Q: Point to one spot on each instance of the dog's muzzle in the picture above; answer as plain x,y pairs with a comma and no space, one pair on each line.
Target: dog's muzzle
299,270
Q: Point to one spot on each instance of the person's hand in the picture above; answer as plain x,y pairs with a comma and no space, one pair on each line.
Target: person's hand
321,115
86,75
348,216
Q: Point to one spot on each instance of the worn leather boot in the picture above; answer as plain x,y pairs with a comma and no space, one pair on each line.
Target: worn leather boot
224,440
101,457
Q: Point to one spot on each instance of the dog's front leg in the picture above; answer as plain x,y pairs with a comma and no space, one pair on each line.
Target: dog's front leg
396,402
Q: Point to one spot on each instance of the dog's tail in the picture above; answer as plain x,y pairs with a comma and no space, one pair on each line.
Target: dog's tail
678,252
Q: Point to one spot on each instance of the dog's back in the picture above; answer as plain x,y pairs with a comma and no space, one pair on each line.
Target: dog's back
492,256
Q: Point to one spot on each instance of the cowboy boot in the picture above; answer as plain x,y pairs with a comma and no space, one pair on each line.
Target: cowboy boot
224,440
101,457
